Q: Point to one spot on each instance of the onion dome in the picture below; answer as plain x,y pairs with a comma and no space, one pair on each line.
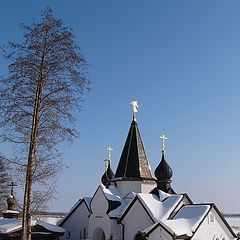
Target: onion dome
11,202
107,176
11,211
163,170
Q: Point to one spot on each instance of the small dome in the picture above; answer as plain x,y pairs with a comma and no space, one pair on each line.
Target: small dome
11,202
107,176
105,179
110,173
163,170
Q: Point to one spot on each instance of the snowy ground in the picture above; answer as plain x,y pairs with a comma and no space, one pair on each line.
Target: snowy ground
234,222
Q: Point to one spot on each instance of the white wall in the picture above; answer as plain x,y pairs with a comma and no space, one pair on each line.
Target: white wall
135,220
76,223
213,230
100,220
159,233
126,187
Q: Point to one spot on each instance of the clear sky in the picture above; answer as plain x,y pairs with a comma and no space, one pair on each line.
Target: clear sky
181,61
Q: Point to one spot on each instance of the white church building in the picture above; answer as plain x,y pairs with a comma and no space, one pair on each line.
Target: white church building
133,205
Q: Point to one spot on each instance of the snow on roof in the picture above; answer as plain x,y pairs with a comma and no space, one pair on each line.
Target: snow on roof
12,225
10,211
160,209
8,225
49,226
186,221
112,193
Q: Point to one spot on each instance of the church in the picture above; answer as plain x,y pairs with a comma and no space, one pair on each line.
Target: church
131,204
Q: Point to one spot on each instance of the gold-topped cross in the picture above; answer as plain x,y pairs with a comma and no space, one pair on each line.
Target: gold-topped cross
108,159
135,108
109,150
163,137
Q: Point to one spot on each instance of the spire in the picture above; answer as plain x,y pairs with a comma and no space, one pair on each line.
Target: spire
163,172
108,174
133,164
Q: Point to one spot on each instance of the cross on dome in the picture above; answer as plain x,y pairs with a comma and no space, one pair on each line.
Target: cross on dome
12,185
109,150
163,138
108,159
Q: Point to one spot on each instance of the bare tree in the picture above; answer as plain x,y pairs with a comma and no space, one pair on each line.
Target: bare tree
46,81
4,182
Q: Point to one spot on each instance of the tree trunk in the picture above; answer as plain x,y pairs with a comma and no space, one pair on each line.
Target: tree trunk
26,220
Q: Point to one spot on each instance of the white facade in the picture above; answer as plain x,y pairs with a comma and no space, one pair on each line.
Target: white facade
77,221
131,205
162,217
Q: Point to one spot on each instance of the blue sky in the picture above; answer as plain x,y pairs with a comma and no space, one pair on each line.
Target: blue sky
181,61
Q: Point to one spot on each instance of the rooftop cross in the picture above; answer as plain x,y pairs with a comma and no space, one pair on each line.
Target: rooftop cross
108,159
109,150
163,137
12,185
135,108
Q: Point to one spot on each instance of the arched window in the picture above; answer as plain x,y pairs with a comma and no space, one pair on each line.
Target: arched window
98,234
84,233
80,235
211,218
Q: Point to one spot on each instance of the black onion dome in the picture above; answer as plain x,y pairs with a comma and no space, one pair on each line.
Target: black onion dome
110,173
107,176
11,202
105,179
163,170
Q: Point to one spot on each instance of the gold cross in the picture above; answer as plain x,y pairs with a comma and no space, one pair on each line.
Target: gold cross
163,137
108,160
109,150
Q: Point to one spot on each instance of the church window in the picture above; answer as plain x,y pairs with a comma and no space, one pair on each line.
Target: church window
84,233
211,218
68,234
80,235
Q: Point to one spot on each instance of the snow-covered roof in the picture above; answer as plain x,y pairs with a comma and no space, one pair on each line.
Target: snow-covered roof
162,207
187,220
158,209
10,211
11,225
112,194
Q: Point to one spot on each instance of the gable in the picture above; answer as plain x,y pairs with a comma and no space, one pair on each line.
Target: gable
214,226
157,231
99,203
76,209
136,219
